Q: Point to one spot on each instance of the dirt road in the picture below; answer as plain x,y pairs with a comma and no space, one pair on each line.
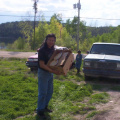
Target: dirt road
8,54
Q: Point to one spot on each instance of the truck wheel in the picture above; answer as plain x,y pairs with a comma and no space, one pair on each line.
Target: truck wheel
32,69
87,77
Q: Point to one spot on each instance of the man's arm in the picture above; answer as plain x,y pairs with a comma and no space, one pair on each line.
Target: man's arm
45,67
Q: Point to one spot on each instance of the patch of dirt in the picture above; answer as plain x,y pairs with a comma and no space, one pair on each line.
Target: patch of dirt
109,110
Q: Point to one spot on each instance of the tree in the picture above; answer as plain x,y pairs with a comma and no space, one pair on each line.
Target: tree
18,44
71,27
41,31
58,17
63,37
68,26
26,30
55,27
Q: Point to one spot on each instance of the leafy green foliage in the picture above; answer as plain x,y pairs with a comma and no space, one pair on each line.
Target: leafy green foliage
20,35
19,44
41,31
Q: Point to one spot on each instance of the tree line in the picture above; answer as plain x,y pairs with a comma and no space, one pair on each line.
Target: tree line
20,35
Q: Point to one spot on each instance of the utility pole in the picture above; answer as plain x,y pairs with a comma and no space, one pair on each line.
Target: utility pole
35,12
78,5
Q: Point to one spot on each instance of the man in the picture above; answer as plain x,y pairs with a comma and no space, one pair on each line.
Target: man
45,74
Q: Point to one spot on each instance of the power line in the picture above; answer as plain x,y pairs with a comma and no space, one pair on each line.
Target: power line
57,10
99,18
62,17
52,10
39,10
15,16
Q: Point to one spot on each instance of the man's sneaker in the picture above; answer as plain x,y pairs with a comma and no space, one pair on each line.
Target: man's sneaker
47,110
41,114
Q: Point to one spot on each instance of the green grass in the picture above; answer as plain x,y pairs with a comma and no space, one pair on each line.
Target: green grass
93,113
99,98
19,91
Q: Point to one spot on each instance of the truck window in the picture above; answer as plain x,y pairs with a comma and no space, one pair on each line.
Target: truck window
107,49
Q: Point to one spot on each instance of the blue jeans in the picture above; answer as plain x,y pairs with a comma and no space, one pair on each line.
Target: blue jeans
45,89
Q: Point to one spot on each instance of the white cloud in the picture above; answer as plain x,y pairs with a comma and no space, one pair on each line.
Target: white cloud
107,9
15,5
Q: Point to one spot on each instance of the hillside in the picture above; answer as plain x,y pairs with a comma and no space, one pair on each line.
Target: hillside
100,30
11,31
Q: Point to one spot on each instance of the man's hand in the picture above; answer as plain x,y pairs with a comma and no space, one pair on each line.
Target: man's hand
55,72
42,65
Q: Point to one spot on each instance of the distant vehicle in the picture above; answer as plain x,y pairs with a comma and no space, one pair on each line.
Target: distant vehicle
103,60
32,61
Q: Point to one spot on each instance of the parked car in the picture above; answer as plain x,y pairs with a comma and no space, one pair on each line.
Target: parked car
103,60
32,61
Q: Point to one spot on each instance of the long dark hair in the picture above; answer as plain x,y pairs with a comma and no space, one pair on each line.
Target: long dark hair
46,38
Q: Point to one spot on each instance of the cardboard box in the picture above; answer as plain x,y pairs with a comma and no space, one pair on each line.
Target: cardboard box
64,63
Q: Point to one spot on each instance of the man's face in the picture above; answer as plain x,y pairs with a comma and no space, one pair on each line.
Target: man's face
50,41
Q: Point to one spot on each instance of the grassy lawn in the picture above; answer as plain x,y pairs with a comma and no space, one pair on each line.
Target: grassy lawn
19,90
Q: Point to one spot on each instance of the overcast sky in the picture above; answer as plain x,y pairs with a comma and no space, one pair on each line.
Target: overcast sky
93,12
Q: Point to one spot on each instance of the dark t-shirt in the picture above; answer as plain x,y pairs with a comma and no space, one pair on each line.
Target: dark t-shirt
44,54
